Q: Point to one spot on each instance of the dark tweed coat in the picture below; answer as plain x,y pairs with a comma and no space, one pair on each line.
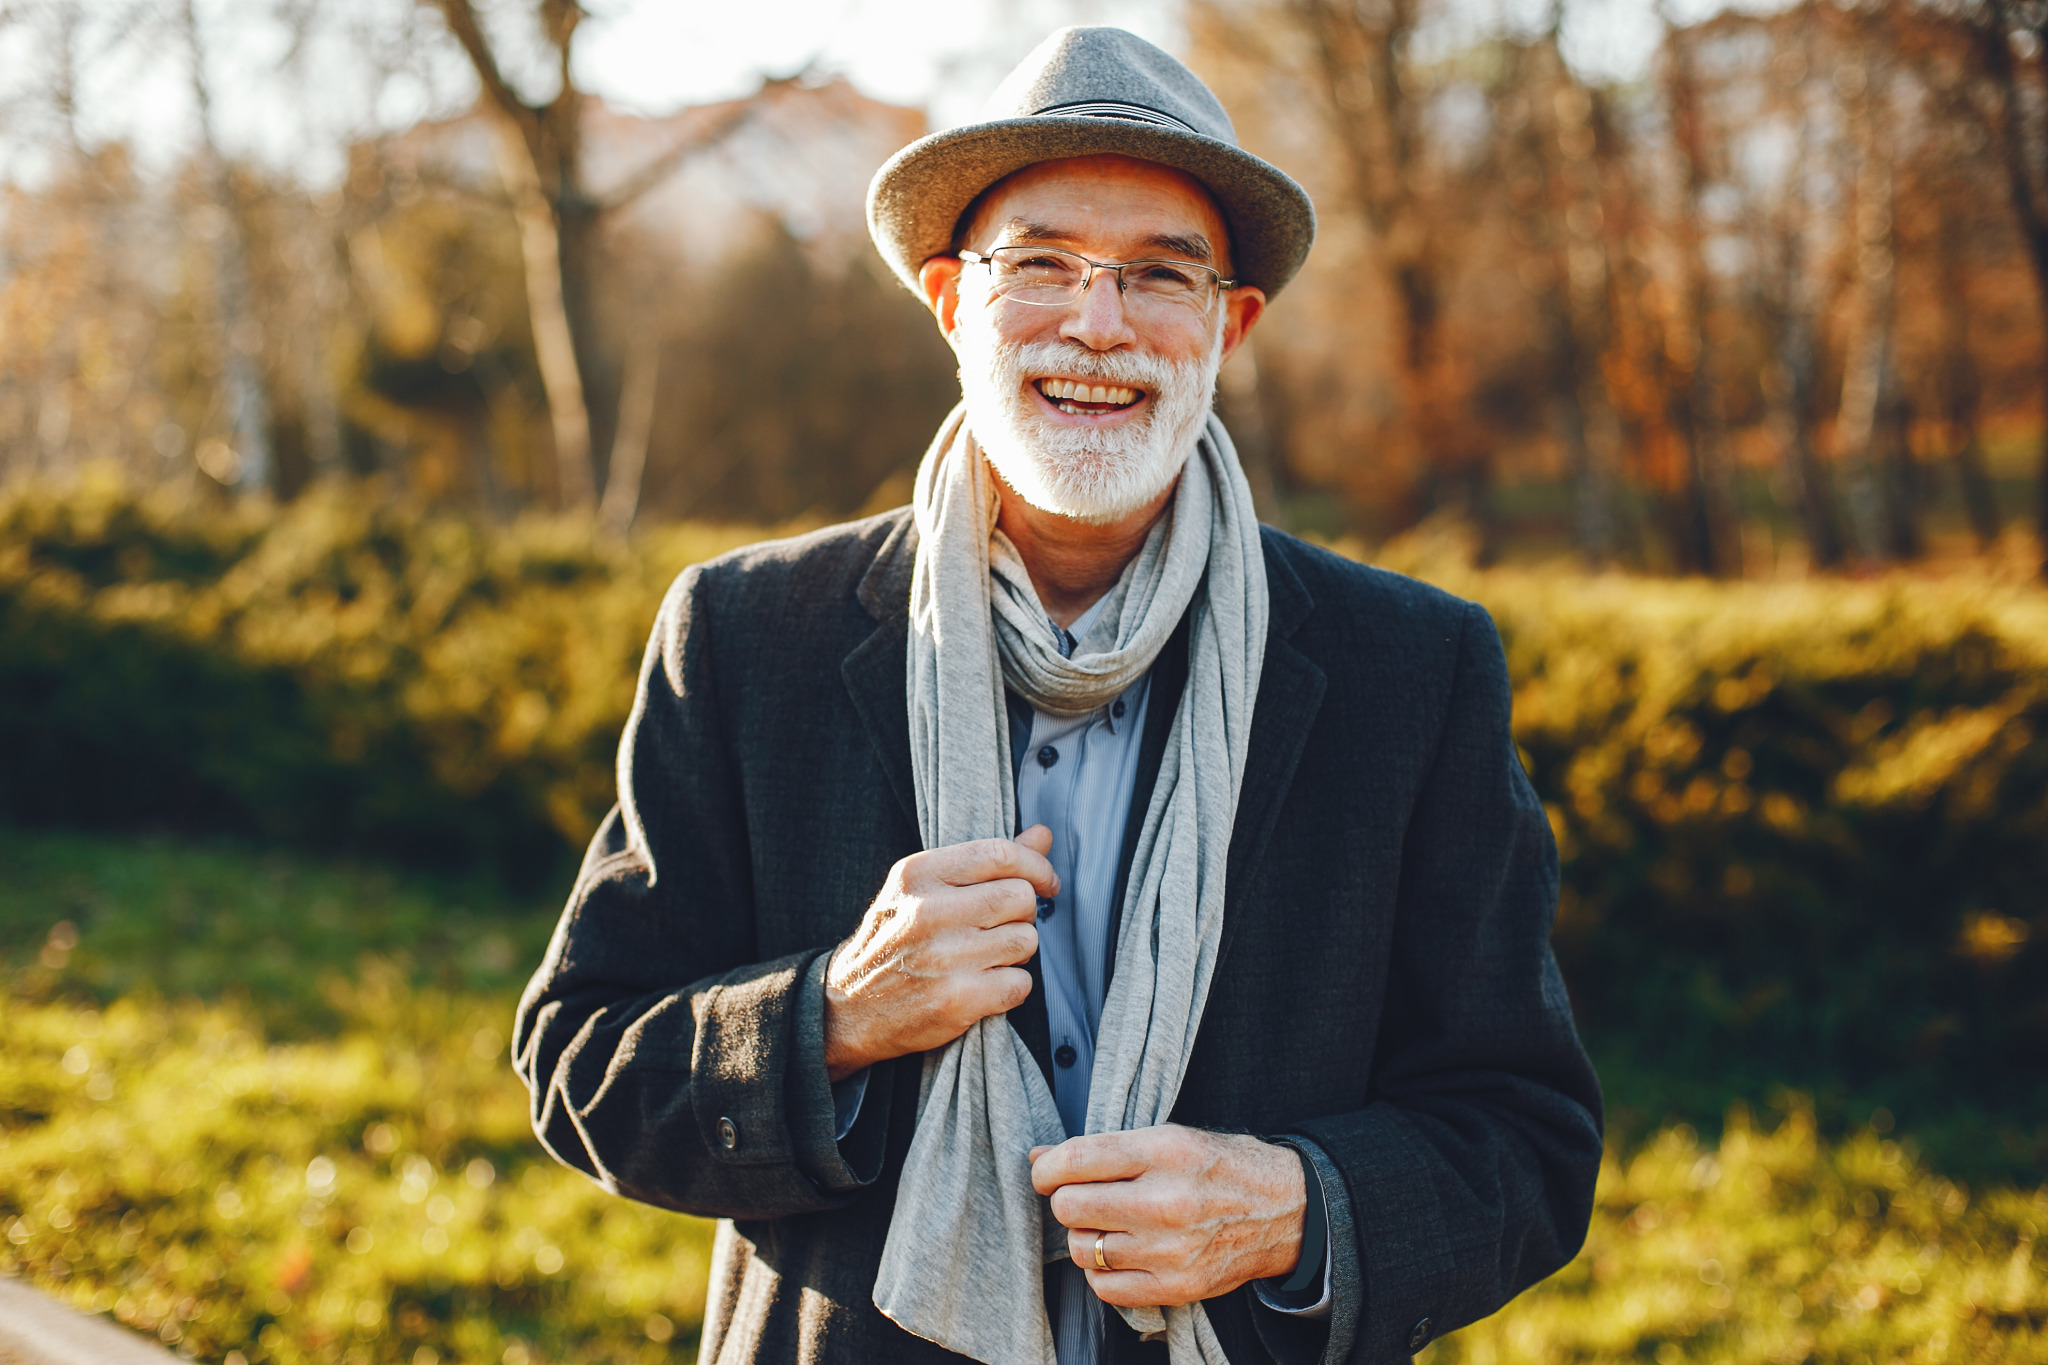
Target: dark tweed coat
1386,987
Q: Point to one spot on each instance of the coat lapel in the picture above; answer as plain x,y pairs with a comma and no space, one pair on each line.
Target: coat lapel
876,670
1290,694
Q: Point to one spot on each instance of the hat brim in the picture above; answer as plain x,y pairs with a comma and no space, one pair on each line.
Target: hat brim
916,199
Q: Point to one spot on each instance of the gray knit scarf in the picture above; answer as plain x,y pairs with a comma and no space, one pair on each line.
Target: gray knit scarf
961,1266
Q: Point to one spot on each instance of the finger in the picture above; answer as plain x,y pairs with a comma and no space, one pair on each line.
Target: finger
987,860
1131,1289
1096,1157
1010,945
1120,1249
1001,989
1009,901
1118,1205
1038,839
1037,1152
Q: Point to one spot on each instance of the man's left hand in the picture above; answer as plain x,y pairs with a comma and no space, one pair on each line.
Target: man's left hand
1188,1214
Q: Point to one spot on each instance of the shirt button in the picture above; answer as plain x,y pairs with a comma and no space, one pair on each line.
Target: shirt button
1118,709
1048,756
728,1134
1046,906
1065,1055
1419,1337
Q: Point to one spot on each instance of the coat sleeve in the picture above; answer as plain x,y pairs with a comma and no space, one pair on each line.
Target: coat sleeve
663,1059
1469,1175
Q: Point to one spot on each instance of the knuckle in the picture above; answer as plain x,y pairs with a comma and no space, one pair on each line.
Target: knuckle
1018,990
1176,1208
1019,898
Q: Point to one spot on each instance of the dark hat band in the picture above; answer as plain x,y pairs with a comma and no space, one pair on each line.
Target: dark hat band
1110,109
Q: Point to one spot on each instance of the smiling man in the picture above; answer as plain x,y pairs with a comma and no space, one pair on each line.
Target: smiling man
1062,922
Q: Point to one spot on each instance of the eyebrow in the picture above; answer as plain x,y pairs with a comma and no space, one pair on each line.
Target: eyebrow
1192,245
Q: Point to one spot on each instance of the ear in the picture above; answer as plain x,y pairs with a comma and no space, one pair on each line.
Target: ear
1242,308
939,279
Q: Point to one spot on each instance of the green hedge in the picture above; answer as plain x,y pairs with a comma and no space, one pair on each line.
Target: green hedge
1804,826
1804,833
346,672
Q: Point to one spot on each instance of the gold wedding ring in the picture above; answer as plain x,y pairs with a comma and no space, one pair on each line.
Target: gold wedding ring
1101,1262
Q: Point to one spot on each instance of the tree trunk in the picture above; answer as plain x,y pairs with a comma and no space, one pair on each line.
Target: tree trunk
629,442
1376,125
1961,395
244,388
1817,510
554,344
1901,472
1702,525
1883,507
1994,27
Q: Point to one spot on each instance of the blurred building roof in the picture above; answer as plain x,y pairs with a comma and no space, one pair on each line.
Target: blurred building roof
800,150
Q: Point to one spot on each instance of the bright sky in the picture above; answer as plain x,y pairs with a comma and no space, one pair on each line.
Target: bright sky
296,106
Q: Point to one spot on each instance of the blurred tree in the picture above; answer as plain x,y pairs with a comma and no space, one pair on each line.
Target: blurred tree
1785,293
246,460
1377,116
541,157
799,383
2010,47
1697,503
1545,147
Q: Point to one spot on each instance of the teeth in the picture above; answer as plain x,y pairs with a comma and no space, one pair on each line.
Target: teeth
1069,390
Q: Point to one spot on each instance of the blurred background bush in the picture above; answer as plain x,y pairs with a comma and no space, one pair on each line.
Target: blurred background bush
368,370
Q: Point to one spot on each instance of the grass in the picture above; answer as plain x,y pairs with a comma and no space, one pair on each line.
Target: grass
258,1106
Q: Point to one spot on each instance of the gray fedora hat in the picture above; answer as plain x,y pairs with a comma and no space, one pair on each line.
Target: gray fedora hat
1081,92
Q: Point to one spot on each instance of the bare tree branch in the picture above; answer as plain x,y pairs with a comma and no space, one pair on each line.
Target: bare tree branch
462,21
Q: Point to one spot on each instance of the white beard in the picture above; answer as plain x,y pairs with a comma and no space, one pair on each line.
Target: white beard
1090,475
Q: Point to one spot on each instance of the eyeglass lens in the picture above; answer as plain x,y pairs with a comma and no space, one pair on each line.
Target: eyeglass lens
1038,275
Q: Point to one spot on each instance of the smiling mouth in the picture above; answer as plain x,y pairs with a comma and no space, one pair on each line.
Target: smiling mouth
1077,399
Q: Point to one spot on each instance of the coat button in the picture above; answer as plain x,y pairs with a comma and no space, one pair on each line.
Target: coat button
728,1134
1419,1337
1048,756
1046,905
1065,1055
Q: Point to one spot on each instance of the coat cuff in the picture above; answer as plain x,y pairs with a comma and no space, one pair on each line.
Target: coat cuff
1297,1338
839,1164
1401,1251
1313,1300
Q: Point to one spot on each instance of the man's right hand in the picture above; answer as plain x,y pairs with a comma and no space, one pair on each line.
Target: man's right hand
942,947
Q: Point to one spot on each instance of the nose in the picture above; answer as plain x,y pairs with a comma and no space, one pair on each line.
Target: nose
1098,319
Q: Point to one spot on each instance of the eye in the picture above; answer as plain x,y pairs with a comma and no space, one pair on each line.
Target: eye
1165,273
1038,263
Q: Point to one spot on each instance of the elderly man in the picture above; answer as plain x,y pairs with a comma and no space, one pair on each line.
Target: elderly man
1062,923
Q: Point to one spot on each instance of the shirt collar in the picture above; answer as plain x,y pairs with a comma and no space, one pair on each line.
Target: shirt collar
1068,639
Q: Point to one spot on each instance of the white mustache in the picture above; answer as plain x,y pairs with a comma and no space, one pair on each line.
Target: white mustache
1067,360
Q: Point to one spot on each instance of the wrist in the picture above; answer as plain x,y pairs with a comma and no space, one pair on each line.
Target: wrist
1287,1250
844,1052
